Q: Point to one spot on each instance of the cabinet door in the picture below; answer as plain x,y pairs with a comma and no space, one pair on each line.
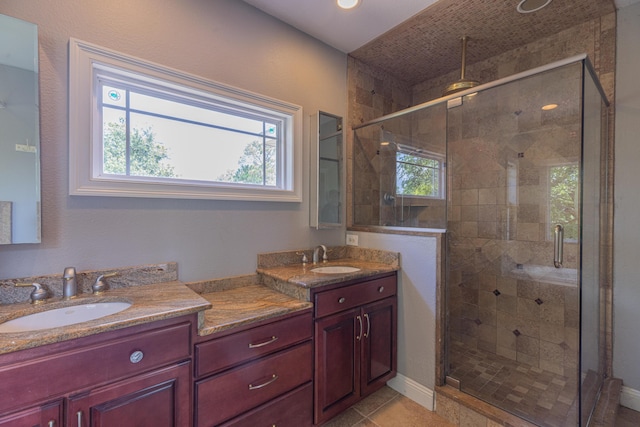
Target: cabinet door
159,398
337,370
49,415
379,344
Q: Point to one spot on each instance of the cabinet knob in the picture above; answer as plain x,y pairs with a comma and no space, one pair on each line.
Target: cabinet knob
136,356
342,300
381,289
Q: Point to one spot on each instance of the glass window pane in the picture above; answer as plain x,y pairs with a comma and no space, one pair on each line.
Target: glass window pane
197,152
417,176
563,199
114,142
183,111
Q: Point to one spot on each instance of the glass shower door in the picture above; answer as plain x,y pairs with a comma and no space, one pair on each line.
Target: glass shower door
514,160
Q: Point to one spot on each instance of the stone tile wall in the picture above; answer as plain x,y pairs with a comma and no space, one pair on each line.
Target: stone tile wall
597,39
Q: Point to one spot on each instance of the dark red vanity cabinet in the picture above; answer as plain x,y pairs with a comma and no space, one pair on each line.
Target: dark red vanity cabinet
46,415
140,375
257,376
355,343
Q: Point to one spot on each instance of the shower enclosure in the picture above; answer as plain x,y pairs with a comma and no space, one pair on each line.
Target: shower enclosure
513,171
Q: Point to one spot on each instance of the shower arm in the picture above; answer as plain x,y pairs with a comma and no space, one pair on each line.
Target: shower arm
463,66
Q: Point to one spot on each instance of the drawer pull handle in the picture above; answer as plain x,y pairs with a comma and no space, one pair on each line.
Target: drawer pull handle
366,316
262,344
342,300
359,337
256,387
381,289
79,414
136,356
52,423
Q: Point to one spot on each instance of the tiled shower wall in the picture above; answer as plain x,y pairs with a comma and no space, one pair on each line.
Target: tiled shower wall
501,146
596,38
372,94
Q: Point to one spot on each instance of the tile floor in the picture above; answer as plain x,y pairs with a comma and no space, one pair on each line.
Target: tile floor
387,408
531,393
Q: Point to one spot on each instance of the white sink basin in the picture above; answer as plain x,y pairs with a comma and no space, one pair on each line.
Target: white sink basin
62,316
335,269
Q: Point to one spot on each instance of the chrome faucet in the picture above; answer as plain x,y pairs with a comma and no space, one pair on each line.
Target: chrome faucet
69,285
316,253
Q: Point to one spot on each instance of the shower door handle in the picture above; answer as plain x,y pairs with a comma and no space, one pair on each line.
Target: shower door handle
558,243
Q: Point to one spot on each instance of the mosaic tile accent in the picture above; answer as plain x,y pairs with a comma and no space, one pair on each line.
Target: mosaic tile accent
428,45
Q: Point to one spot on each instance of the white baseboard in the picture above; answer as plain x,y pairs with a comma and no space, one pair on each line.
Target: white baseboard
630,398
420,394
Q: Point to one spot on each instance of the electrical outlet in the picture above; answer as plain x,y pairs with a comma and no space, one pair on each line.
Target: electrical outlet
352,239
26,148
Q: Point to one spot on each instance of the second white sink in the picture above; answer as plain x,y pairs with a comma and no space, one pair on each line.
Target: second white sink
62,316
335,269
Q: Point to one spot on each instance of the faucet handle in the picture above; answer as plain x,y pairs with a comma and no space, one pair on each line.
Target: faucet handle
304,257
99,286
39,295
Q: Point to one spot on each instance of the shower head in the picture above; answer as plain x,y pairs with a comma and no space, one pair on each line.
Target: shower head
463,83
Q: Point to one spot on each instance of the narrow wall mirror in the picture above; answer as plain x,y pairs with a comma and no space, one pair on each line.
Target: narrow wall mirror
20,132
326,171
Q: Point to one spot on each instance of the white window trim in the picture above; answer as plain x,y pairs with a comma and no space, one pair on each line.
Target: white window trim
86,58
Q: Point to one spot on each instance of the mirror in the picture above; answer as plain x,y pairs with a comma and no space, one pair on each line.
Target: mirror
20,135
326,171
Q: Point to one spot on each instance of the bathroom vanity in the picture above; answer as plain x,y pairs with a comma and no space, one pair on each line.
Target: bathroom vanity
261,374
141,374
356,342
231,352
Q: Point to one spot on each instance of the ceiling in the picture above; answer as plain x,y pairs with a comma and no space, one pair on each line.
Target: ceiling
416,40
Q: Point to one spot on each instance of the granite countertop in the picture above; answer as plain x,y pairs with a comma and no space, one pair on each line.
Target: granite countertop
301,274
149,303
245,305
280,287
297,280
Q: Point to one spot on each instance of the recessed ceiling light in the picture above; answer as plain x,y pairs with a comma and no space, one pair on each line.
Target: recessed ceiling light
528,6
549,107
350,4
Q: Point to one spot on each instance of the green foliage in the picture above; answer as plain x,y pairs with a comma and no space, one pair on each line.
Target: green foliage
253,165
563,199
147,155
417,176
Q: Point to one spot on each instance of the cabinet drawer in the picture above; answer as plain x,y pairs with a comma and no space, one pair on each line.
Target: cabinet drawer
92,365
294,409
215,355
227,395
347,297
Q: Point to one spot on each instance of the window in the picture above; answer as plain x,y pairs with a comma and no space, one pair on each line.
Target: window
564,199
419,174
141,130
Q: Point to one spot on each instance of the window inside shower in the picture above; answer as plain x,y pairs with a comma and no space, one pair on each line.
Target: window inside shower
399,171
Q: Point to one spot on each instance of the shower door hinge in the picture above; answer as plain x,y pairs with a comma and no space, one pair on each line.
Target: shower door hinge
453,103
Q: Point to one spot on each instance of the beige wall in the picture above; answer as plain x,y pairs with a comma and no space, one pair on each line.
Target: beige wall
223,40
